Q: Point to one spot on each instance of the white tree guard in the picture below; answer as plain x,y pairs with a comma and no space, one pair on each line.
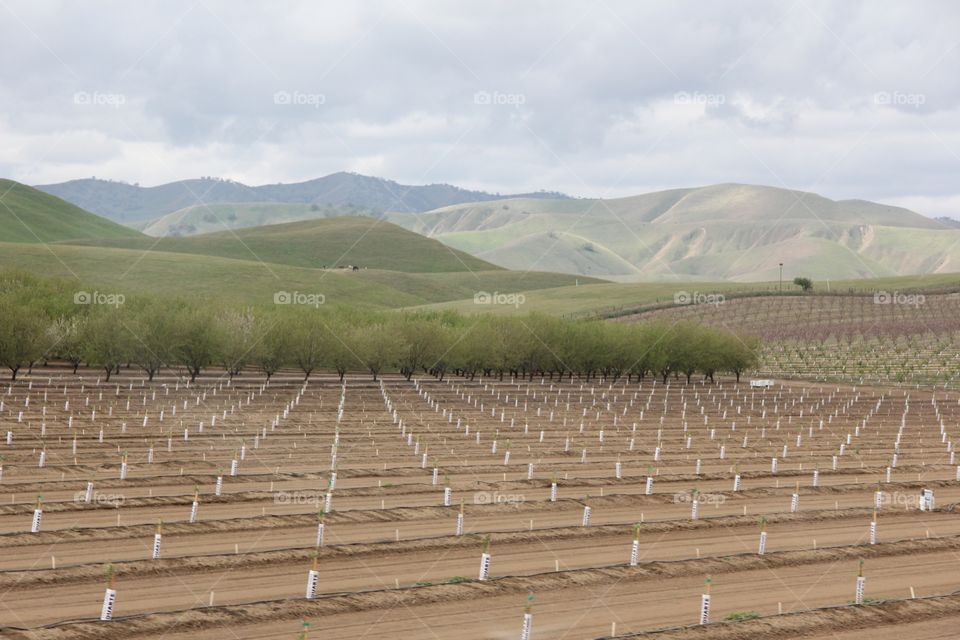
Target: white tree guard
109,599
527,630
313,577
157,539
635,553
484,566
37,518
705,609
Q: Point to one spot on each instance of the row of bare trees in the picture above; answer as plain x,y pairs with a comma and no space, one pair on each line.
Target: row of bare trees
39,322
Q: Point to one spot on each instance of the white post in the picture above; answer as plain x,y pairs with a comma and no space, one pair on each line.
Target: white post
794,503
553,492
218,488
649,487
194,510
233,467
320,535
447,493
763,543
736,482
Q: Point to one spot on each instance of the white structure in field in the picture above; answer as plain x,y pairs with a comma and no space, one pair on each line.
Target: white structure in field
762,383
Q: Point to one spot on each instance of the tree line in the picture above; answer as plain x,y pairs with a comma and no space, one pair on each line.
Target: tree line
40,321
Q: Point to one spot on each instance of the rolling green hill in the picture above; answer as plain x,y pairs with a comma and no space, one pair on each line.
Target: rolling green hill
721,232
30,215
331,242
210,218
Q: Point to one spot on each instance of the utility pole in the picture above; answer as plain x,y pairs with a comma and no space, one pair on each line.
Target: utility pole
781,278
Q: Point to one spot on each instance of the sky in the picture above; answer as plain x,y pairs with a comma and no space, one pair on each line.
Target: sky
592,98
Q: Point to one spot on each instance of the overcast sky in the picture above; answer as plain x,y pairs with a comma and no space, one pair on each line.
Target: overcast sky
848,99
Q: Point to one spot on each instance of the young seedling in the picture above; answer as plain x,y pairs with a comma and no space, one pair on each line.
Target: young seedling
110,595
303,632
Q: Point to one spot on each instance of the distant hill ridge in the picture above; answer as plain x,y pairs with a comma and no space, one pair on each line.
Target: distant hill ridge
726,231
130,204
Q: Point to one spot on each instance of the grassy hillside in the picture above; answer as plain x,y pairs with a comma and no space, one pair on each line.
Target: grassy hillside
332,242
128,270
611,299
210,218
732,232
30,215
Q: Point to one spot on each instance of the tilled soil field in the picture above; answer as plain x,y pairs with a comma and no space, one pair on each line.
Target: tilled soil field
605,508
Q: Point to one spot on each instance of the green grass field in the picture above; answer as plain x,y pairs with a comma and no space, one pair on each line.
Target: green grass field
613,298
250,282
211,218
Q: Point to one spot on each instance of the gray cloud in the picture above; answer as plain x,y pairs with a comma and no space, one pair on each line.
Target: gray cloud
850,99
